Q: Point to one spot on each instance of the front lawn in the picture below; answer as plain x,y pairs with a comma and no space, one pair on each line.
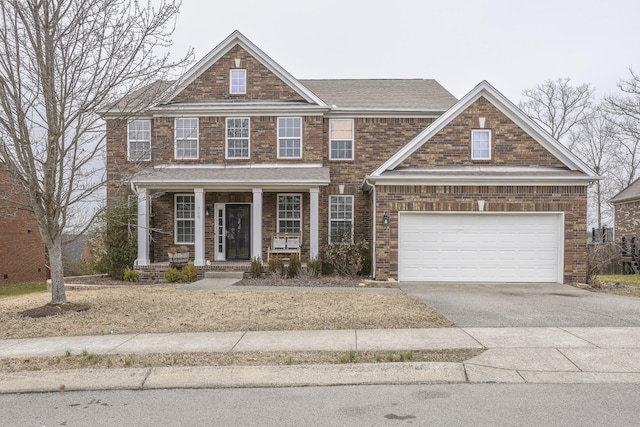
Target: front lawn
15,290
623,279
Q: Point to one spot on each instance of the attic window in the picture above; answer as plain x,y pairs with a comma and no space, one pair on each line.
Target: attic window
238,81
481,144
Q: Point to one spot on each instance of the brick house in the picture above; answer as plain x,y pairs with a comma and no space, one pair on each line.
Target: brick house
23,259
626,205
237,151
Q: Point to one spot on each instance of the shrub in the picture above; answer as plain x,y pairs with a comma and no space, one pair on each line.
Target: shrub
189,273
172,275
294,266
256,268
276,265
314,266
347,258
130,275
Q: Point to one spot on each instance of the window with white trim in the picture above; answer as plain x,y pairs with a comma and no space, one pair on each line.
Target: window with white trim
139,140
186,133
185,217
238,81
341,139
481,144
289,213
238,132
289,137
340,219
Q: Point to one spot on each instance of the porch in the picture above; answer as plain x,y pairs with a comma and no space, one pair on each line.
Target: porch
226,214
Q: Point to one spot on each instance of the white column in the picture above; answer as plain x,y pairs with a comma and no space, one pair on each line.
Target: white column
256,224
198,259
314,208
143,227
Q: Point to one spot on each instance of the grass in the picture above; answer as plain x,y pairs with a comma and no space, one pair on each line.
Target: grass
623,279
17,290
109,361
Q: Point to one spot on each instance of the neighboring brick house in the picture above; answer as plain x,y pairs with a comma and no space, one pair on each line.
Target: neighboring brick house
237,150
23,251
626,208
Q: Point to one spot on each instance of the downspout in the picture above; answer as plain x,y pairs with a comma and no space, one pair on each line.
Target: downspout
374,231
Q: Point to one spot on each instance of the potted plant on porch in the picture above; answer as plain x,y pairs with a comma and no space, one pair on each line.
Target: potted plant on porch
178,255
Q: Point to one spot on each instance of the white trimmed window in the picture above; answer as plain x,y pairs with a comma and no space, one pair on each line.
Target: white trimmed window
238,81
481,144
289,138
185,216
238,140
186,133
139,140
289,213
340,219
341,139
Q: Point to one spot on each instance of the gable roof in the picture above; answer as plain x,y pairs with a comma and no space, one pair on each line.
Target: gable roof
383,94
237,38
632,192
484,89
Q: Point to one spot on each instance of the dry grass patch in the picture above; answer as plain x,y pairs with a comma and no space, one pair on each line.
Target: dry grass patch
169,308
87,360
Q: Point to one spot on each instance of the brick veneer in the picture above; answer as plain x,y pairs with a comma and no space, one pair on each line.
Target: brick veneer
23,251
568,199
627,220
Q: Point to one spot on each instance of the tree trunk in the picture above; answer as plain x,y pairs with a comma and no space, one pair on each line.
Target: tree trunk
58,295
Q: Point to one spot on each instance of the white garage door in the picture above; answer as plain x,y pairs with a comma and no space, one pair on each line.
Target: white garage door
480,247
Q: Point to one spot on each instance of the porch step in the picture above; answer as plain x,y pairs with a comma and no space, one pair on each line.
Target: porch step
223,274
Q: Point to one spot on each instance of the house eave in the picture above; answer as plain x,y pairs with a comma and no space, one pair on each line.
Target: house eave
475,180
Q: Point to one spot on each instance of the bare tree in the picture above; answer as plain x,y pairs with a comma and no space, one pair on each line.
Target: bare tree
557,105
594,140
59,61
625,108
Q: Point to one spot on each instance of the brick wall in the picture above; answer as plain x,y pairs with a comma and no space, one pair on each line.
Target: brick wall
511,146
627,220
23,251
568,199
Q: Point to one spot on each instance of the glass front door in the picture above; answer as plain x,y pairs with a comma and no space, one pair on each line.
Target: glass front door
238,231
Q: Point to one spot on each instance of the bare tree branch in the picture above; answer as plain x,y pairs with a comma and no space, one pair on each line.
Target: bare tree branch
61,60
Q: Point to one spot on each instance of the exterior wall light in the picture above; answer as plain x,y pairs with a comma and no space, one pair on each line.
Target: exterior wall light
385,220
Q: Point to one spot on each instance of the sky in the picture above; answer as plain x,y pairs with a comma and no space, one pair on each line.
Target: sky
514,45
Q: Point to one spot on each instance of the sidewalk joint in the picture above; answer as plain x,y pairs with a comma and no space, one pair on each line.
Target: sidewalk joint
237,342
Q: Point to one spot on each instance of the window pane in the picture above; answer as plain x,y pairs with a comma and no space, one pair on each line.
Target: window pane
340,219
238,81
481,144
185,219
289,137
238,138
289,213
186,131
341,139
139,132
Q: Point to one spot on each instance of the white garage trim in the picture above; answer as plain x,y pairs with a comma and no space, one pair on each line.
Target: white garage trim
481,246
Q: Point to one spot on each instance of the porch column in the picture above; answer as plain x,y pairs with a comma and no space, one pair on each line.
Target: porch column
143,227
256,224
198,259
313,222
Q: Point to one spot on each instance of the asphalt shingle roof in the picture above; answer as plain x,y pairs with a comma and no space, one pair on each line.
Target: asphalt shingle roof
403,94
632,192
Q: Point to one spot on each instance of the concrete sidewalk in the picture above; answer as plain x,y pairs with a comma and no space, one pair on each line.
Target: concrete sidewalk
514,355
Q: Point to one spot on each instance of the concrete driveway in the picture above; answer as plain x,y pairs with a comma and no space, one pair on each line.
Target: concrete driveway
530,304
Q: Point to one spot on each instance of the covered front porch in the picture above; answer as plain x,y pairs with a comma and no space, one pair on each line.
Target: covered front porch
226,214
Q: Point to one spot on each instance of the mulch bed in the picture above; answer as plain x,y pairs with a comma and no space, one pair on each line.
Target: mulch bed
53,309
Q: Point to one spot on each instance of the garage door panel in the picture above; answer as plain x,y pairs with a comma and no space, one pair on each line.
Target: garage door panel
480,247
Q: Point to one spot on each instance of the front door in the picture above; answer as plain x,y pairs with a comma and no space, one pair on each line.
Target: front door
238,231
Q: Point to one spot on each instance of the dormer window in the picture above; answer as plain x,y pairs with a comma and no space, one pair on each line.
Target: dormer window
481,144
238,82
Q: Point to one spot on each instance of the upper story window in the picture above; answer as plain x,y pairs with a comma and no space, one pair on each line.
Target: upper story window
340,219
139,140
289,138
341,139
238,141
238,81
289,213
186,132
481,144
